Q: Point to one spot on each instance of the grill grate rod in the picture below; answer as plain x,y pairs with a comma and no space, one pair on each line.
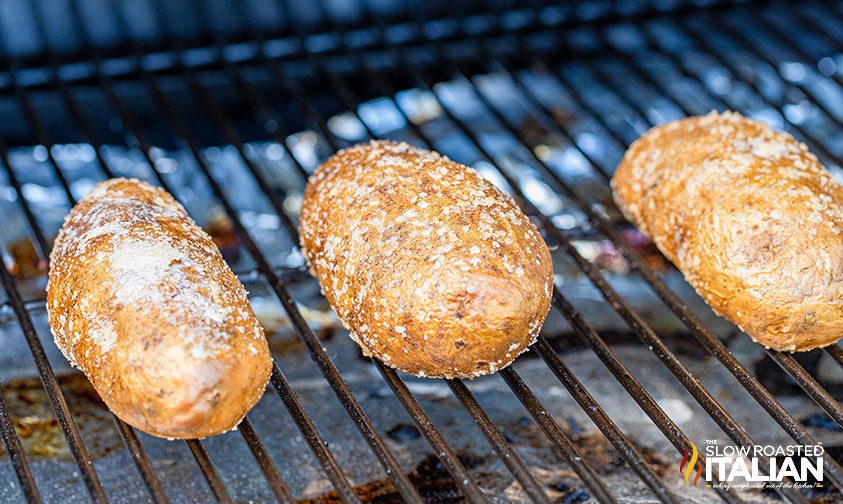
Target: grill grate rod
270,471
133,444
41,245
51,385
15,450
498,442
207,467
831,37
560,440
836,353
449,459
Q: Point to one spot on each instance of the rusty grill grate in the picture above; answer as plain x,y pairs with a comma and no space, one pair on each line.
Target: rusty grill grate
612,64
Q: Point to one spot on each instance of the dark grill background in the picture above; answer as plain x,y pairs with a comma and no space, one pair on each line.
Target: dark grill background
541,98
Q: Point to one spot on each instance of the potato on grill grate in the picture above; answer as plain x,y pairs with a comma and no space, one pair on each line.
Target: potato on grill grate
140,299
431,268
750,217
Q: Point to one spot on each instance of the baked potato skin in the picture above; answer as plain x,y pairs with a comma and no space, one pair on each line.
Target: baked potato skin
141,301
750,217
431,268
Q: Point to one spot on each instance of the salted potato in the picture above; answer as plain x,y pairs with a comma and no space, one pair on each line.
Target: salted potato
140,299
431,269
750,217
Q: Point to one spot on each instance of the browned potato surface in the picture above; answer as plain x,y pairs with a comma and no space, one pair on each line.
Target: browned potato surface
429,266
140,299
750,217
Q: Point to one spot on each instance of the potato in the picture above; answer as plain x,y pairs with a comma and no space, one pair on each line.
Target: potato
431,269
140,299
750,217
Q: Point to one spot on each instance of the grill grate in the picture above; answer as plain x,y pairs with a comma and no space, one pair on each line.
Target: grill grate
480,55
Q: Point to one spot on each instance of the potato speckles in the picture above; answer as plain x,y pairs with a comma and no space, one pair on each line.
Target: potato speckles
140,299
445,274
750,217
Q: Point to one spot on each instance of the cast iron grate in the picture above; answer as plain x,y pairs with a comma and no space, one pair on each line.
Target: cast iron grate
632,58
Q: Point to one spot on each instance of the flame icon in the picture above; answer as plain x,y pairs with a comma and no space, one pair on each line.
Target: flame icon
687,470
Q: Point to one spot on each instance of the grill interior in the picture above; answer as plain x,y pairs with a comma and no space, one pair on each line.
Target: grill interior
543,99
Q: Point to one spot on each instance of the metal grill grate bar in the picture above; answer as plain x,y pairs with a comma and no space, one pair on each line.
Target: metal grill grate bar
51,385
133,444
16,453
836,353
449,459
499,444
270,472
207,467
560,440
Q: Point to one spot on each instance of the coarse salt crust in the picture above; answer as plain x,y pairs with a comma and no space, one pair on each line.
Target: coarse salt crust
750,217
431,268
140,299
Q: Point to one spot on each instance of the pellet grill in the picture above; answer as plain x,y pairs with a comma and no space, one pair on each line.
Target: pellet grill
230,105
